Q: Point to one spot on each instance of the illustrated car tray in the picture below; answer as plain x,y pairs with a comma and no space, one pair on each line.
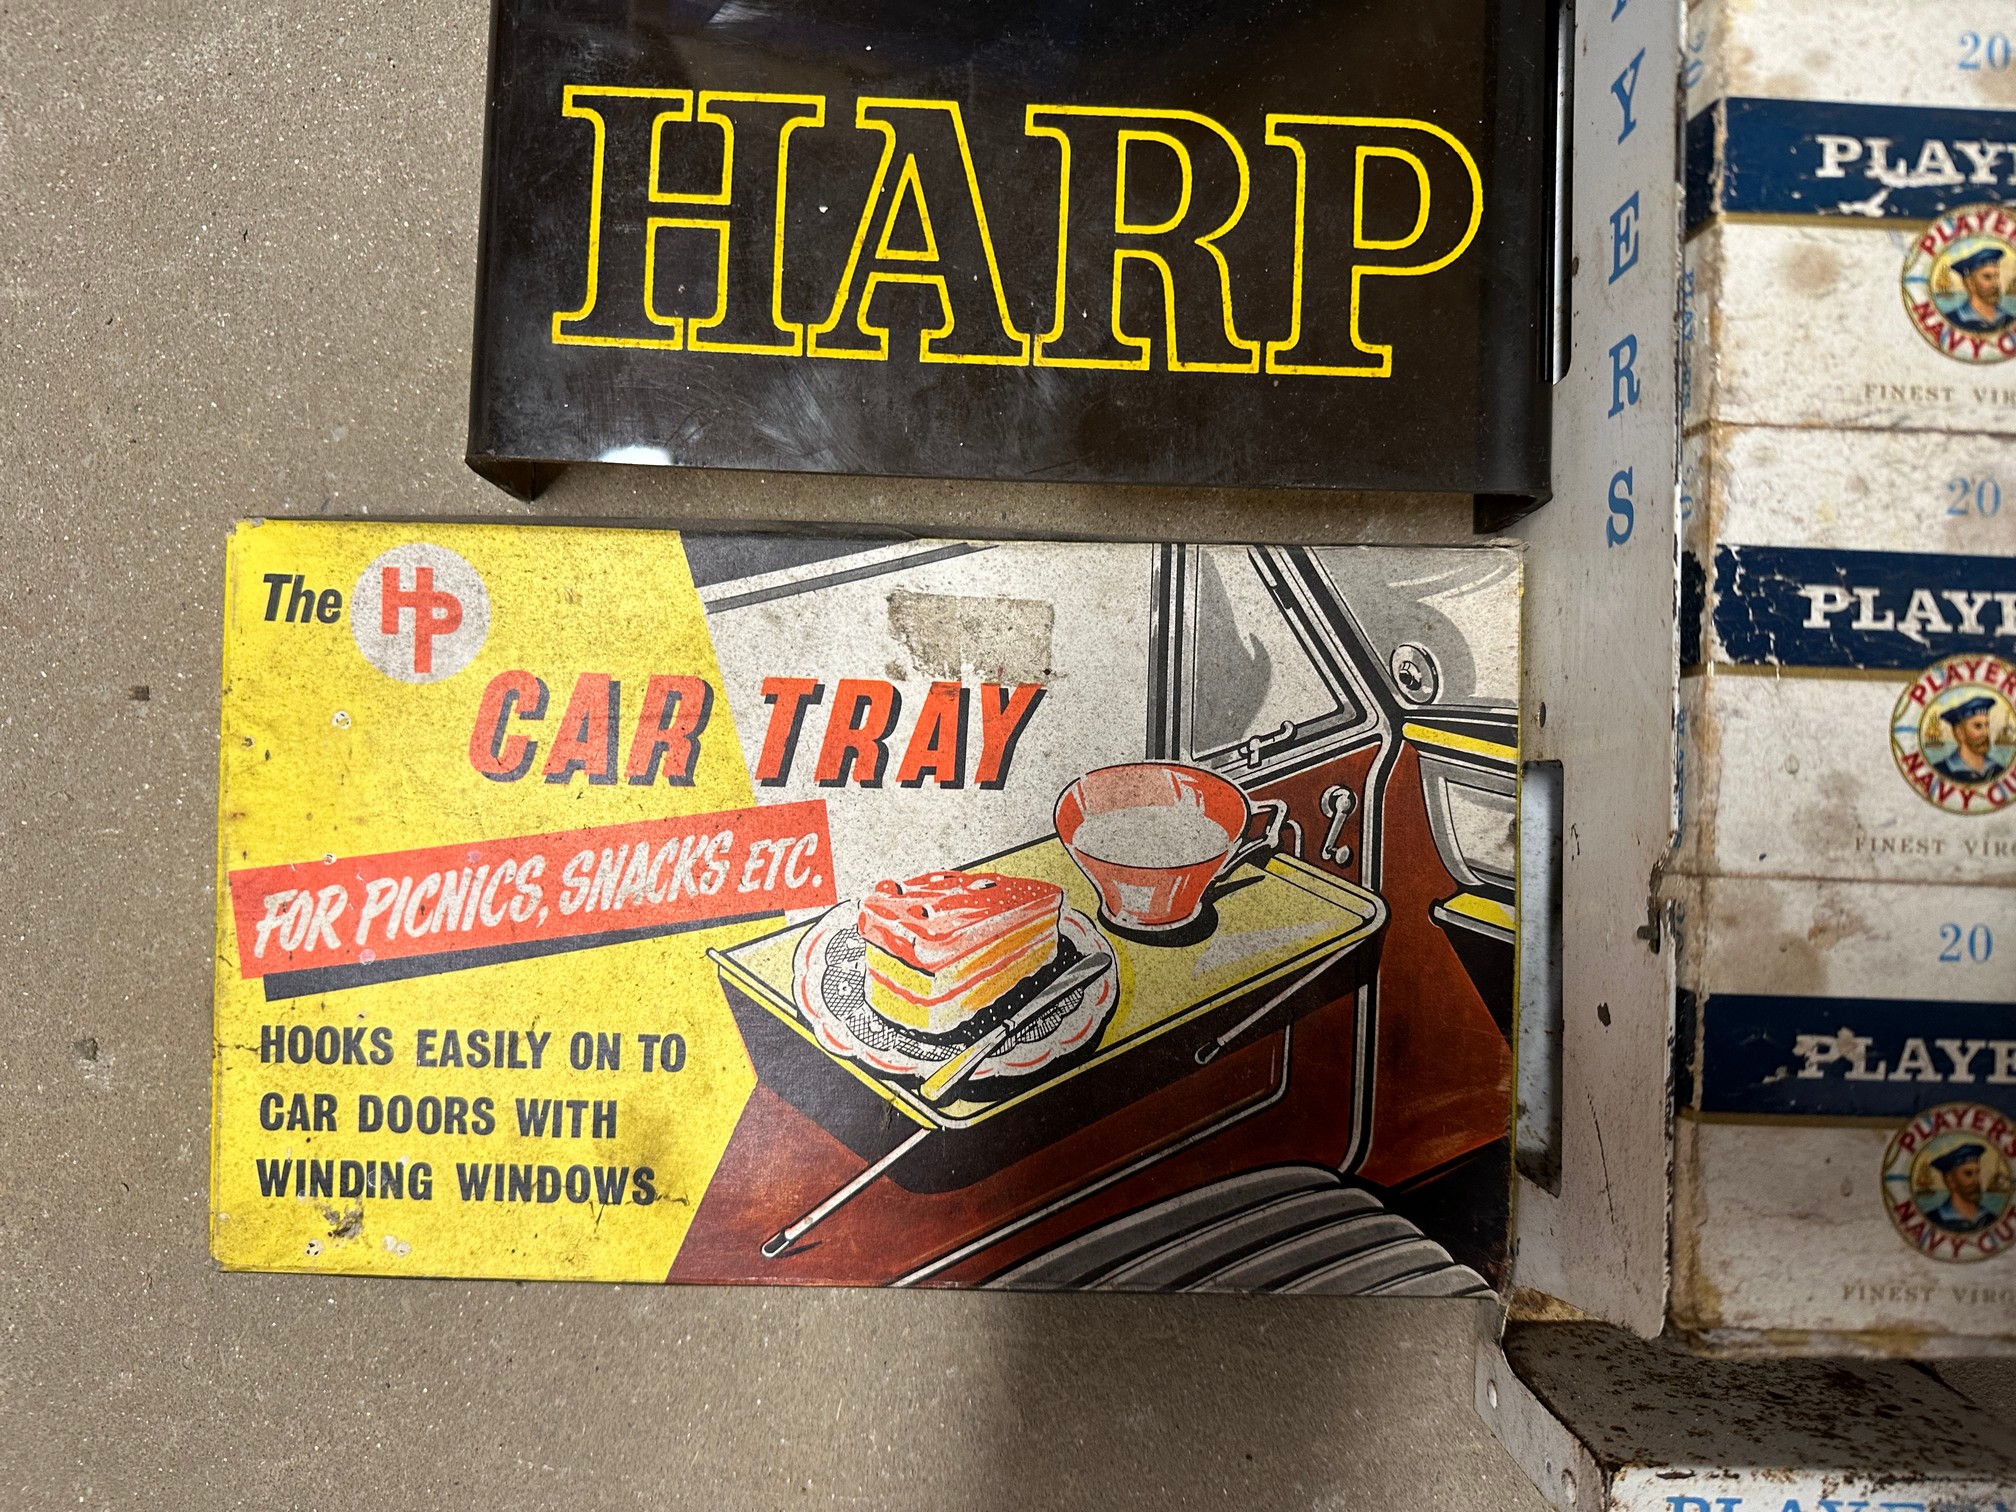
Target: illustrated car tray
1288,939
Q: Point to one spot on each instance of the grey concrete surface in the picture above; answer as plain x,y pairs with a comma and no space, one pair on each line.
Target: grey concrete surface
236,280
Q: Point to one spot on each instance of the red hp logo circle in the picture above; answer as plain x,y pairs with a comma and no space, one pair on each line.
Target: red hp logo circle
419,613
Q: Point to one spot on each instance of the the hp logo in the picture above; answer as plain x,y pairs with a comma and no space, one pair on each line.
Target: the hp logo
419,613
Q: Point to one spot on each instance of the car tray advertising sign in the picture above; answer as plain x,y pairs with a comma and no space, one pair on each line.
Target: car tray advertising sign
1251,244
623,905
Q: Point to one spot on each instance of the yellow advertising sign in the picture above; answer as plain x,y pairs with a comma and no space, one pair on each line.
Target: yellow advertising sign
608,904
523,1118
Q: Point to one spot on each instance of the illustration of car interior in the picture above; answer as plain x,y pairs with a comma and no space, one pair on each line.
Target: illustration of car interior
1263,1108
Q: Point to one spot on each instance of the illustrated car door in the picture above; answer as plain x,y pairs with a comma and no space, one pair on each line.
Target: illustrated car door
1431,633
1365,691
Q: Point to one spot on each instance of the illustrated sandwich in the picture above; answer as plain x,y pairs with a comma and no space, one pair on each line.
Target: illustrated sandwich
944,945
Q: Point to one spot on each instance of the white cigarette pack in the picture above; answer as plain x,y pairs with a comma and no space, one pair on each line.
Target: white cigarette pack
1849,635
1847,1087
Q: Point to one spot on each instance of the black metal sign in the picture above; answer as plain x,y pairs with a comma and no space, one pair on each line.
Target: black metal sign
1247,242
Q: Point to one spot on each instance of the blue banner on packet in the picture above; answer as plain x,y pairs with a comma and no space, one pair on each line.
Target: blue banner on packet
1797,606
1750,156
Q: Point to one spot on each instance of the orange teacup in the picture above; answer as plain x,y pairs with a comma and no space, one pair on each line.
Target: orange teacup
1153,836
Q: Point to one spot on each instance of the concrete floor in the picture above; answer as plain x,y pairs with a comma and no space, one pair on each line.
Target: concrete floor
237,281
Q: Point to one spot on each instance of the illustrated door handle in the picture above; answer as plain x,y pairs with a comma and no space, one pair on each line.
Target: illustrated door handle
1255,745
1338,805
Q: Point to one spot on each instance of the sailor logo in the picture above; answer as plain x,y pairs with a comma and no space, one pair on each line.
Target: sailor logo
1954,734
419,613
1960,283
1947,1182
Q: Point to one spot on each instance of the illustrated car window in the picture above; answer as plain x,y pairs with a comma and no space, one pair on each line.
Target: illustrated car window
1449,602
1250,679
1484,828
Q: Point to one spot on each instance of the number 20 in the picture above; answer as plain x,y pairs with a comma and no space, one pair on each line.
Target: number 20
1973,496
1984,48
1977,943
